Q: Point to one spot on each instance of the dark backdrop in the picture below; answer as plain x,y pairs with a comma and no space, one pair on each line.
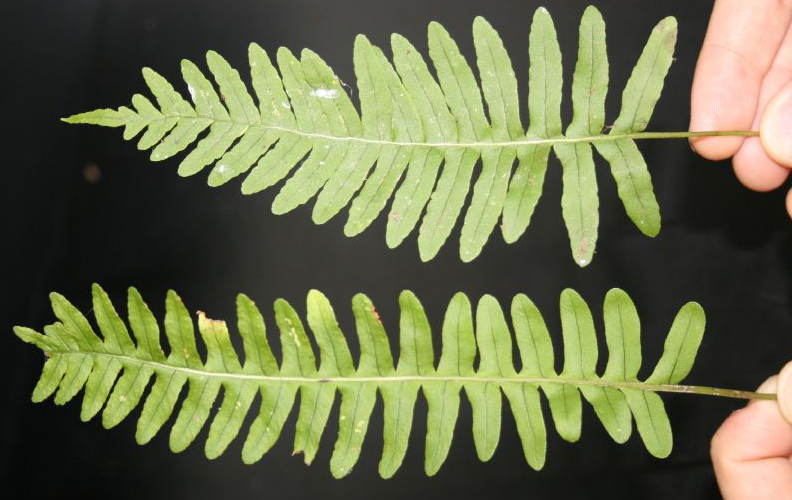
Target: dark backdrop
138,223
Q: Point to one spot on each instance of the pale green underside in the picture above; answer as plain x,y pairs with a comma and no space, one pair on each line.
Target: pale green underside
115,371
417,139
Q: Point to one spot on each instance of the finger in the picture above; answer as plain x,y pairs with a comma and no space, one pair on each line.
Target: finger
776,126
785,392
751,450
763,164
741,43
789,202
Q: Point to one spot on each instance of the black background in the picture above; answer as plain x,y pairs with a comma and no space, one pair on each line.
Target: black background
140,224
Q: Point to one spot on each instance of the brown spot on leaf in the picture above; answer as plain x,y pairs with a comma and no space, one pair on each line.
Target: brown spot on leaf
376,315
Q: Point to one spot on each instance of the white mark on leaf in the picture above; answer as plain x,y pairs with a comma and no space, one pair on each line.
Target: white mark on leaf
324,93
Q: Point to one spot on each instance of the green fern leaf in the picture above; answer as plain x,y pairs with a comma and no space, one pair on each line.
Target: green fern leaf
306,130
113,371
544,110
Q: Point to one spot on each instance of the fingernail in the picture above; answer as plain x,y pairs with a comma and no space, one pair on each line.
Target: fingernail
784,391
776,127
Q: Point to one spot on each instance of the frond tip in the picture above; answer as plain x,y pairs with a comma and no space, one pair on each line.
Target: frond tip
114,371
410,124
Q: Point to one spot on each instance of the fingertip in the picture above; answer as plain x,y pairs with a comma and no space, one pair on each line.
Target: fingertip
732,427
750,452
784,388
789,203
722,438
723,97
776,127
755,169
768,386
753,432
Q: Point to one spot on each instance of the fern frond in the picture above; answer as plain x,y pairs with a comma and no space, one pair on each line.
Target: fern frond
409,125
114,372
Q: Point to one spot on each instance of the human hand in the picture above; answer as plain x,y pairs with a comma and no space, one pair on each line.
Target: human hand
743,81
751,451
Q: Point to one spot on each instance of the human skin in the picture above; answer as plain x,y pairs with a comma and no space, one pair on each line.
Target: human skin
751,450
743,81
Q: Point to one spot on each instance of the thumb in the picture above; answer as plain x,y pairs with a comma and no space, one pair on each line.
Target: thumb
776,134
784,392
751,450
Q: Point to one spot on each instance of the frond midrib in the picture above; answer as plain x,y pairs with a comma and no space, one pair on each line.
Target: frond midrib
378,380
453,145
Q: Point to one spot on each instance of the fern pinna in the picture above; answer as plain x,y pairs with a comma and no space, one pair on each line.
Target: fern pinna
408,126
114,370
